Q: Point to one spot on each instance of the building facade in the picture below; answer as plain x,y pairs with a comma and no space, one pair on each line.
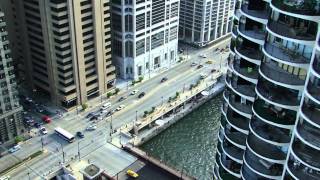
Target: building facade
67,49
145,36
270,115
205,21
10,110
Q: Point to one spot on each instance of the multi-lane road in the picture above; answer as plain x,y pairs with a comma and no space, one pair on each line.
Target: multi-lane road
179,77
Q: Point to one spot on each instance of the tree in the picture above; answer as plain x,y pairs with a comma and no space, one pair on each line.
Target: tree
109,94
117,90
84,106
177,94
140,78
18,139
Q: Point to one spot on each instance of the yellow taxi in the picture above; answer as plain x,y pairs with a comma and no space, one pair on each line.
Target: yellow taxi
132,173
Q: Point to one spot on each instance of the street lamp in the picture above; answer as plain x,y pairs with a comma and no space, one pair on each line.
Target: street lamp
79,150
42,145
136,116
161,100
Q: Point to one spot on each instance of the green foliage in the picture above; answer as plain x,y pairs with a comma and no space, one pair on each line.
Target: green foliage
18,139
140,78
84,106
116,91
109,94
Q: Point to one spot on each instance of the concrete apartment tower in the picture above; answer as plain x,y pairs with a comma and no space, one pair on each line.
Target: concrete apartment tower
205,21
145,36
10,111
270,124
67,46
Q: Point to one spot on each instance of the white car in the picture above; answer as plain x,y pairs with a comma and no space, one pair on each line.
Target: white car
14,149
106,106
43,130
91,128
134,92
203,55
120,107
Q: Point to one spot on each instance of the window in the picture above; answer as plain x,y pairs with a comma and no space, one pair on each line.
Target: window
128,23
129,49
156,62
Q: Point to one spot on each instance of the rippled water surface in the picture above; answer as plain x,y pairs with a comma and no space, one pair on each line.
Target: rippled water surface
191,142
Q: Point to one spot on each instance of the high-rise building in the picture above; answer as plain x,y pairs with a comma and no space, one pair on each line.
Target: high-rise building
145,36
68,49
205,21
271,112
10,110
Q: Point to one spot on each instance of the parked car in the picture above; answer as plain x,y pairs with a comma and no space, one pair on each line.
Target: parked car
46,119
14,149
194,64
122,106
141,95
203,55
80,134
43,130
90,115
91,128
199,66
133,174
164,79
106,105
202,76
108,114
134,92
121,99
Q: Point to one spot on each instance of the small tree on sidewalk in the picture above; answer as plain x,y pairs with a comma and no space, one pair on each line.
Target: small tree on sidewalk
109,94
116,91
84,106
18,139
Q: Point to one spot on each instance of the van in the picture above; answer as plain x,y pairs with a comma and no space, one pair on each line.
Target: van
106,105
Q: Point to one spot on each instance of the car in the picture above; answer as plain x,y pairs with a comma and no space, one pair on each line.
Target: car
95,117
14,149
46,119
209,62
91,128
164,79
203,55
106,105
134,92
133,174
121,99
37,125
213,70
194,64
181,50
108,114
39,109
199,66
202,76
90,115
141,95
104,111
80,134
43,130
120,107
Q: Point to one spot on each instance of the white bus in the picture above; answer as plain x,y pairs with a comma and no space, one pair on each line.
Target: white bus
64,134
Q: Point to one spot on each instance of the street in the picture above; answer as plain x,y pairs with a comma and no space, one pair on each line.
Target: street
58,150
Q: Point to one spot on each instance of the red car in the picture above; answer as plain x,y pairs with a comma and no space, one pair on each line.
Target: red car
46,119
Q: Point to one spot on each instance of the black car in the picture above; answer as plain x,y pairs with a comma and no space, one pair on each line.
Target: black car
121,99
37,125
108,114
80,134
93,118
141,95
90,115
164,79
200,66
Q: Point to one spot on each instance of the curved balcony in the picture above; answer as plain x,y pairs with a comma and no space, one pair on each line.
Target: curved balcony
273,72
300,171
281,118
257,15
314,90
237,14
231,166
248,174
316,65
238,121
306,153
276,94
312,112
246,90
237,138
271,134
263,167
233,151
219,148
223,121
249,73
289,31
265,150
284,55
221,135
241,108
222,172
251,54
253,34
309,134
216,172
306,7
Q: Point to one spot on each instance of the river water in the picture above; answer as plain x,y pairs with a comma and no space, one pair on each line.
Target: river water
191,142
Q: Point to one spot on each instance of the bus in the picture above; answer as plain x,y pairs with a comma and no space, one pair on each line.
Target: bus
64,134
